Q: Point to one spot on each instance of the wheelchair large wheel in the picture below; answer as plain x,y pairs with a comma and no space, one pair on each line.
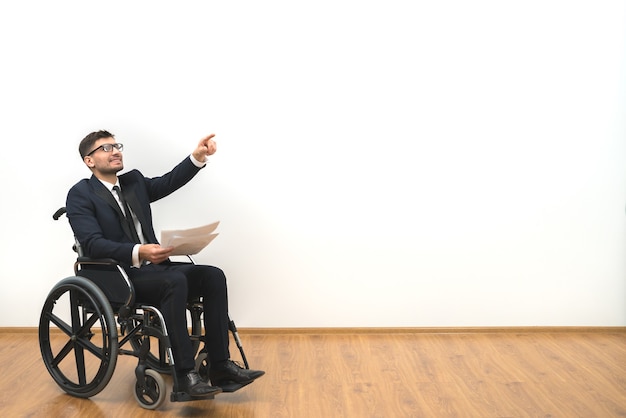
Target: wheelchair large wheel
78,337
155,359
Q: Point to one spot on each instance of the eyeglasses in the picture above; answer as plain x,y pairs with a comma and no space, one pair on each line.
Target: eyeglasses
108,148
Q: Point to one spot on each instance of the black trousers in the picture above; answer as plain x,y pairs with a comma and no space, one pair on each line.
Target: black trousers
169,286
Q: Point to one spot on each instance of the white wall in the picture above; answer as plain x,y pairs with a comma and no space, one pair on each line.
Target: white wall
380,163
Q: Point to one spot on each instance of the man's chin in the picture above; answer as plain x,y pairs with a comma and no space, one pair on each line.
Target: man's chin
115,169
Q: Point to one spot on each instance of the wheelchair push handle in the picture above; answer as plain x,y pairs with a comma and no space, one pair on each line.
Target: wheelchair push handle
56,216
58,213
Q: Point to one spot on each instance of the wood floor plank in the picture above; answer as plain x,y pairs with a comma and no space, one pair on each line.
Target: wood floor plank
495,374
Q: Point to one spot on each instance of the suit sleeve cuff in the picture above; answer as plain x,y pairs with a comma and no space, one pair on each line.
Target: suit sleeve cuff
197,163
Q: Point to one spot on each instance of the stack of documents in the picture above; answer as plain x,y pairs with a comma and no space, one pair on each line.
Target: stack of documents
189,241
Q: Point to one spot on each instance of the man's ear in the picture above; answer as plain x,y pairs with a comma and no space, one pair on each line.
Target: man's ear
89,161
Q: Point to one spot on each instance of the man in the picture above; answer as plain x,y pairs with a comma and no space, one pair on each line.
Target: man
111,218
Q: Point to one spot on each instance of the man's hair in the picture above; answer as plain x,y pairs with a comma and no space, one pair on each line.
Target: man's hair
87,143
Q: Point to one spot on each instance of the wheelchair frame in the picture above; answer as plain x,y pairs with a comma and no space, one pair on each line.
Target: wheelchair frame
99,293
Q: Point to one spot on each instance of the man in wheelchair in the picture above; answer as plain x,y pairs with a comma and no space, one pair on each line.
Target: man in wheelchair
111,218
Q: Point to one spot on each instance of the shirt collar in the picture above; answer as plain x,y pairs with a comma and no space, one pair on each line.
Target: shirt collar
110,186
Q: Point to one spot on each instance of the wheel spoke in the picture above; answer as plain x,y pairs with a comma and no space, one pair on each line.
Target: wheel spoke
99,352
78,349
86,328
63,353
61,324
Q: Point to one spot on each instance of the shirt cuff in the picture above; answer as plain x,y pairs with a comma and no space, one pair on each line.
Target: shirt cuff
197,163
136,260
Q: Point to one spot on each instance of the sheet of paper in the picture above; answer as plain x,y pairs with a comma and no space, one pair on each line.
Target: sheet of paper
189,241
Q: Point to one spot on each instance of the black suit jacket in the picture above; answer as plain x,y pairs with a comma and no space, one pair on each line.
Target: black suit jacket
97,220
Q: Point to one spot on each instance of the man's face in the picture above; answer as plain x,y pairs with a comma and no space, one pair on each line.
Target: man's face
104,162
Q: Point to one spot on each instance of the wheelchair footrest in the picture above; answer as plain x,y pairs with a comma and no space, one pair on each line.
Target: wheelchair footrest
232,386
185,397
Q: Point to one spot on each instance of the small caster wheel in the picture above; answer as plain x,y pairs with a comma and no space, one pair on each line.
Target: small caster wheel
152,395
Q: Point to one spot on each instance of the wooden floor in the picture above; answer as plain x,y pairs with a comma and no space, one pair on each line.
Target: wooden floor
474,374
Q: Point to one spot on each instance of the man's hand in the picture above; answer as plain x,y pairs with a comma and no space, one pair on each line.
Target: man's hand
154,253
205,148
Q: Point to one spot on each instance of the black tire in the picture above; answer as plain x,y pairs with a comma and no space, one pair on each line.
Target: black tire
91,334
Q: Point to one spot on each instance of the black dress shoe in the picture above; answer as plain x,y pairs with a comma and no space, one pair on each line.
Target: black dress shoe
193,385
228,371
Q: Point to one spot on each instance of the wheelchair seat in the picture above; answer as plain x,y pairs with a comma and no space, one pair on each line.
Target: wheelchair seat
97,312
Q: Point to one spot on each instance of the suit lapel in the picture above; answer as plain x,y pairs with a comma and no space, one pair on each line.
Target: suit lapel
107,196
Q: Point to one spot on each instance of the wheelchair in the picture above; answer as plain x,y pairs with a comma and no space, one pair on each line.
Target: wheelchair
97,314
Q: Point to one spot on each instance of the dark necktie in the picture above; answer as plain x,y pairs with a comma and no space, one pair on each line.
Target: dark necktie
129,216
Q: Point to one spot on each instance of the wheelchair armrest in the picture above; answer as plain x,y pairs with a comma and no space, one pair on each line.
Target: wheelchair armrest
97,261
110,277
